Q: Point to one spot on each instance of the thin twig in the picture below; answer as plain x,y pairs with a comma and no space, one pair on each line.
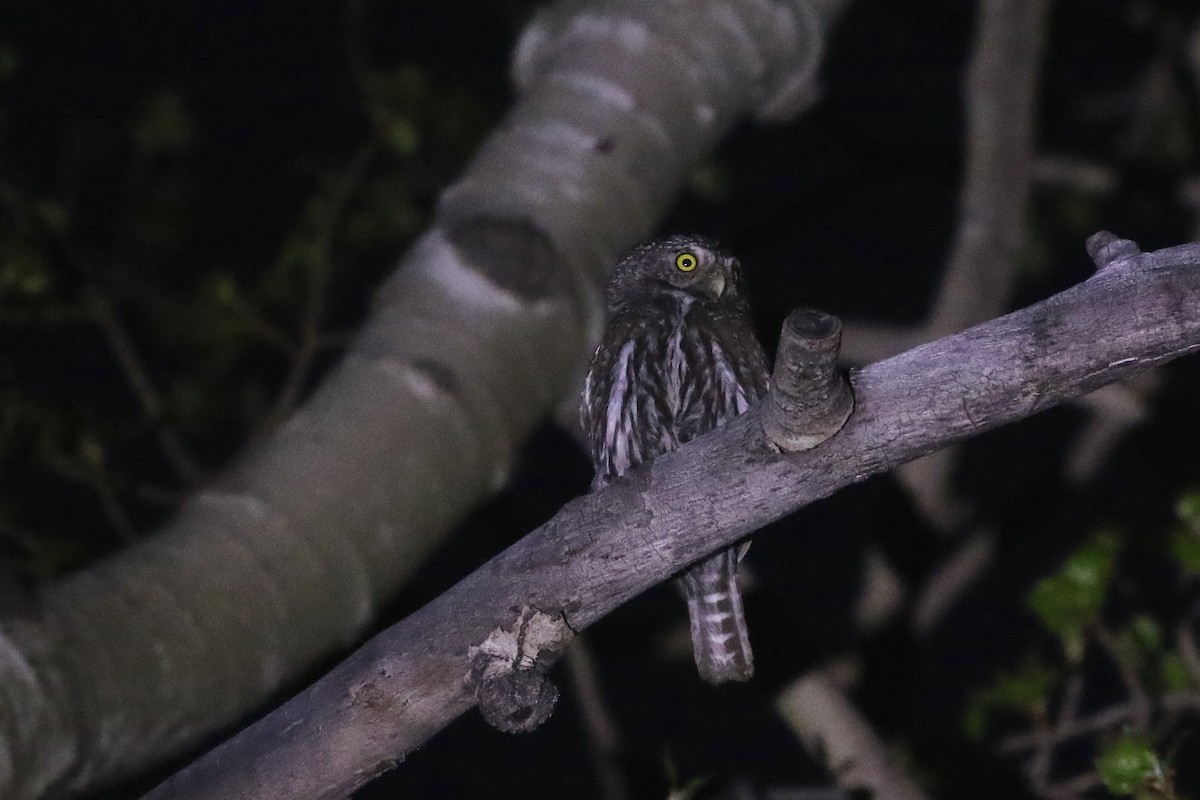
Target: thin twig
1139,700
142,386
100,310
1102,721
311,338
1047,736
1071,788
1186,638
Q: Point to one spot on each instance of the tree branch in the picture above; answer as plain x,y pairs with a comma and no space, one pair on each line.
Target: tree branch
390,697
482,329
833,730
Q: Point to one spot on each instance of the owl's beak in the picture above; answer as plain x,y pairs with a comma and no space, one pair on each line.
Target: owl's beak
717,283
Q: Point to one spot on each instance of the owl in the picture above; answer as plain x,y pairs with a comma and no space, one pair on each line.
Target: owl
678,357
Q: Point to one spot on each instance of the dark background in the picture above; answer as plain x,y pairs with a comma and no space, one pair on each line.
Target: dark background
851,209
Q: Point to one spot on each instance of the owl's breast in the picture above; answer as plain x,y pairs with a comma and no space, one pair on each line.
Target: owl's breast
663,376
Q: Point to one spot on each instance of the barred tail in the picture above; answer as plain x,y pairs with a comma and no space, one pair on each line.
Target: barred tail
720,641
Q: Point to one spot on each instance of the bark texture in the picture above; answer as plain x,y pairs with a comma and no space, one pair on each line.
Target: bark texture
1140,310
482,329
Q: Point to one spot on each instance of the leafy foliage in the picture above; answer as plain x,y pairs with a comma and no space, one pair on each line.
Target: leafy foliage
1069,601
126,386
1129,765
1155,660
1022,691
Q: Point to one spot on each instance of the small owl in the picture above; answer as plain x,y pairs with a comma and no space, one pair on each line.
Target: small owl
678,358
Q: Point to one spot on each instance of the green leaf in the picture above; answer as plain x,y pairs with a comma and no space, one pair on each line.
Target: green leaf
164,124
1174,674
1025,687
1128,764
23,272
1070,600
1185,546
10,61
1146,634
53,215
681,789
403,136
91,451
976,719
1187,508
1023,690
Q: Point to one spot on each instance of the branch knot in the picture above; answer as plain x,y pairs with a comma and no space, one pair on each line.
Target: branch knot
809,401
1105,248
508,670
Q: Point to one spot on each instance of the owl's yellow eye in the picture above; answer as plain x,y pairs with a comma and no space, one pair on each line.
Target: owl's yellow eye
685,261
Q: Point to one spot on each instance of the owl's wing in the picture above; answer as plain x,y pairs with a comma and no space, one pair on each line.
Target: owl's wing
627,410
726,374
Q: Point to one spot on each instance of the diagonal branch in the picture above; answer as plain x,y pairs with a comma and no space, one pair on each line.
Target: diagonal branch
479,332
833,730
390,697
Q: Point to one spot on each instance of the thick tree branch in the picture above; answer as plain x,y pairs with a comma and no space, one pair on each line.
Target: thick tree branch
484,326
600,550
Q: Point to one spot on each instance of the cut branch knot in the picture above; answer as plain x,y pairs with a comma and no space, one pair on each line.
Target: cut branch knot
1105,248
809,400
508,671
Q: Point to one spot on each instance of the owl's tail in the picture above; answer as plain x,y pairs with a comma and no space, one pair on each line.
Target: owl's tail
720,641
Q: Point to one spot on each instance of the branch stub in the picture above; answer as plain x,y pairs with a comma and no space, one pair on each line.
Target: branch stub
508,671
1105,248
809,401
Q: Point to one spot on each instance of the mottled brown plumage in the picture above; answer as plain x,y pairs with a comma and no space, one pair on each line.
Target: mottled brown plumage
678,358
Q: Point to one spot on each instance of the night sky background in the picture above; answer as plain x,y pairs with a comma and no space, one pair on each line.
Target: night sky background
182,154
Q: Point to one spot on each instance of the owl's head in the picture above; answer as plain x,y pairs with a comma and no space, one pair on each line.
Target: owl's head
693,265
